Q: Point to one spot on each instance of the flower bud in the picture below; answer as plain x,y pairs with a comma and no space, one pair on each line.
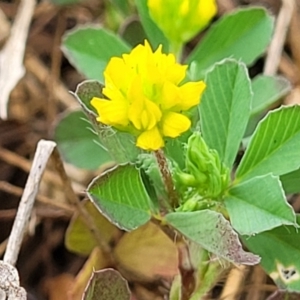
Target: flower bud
181,20
204,165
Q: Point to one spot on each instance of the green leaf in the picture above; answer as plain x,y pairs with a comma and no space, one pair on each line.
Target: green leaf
76,142
213,232
65,2
291,182
258,205
79,238
155,35
175,148
85,91
280,251
133,32
243,35
120,145
90,48
121,197
175,291
267,90
106,285
225,108
151,177
274,147
123,6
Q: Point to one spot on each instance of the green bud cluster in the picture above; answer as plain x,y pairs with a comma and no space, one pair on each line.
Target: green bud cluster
204,173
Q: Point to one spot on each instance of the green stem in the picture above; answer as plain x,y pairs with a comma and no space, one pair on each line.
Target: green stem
286,296
176,49
208,273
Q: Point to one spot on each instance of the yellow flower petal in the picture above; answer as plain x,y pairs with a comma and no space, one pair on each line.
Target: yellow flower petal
190,95
145,97
184,7
117,74
150,140
155,4
113,113
174,71
144,114
113,93
206,9
174,124
170,96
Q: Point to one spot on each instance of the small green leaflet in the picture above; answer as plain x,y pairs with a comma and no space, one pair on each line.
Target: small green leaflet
90,48
121,196
225,108
258,205
76,142
274,147
213,232
243,35
280,251
291,182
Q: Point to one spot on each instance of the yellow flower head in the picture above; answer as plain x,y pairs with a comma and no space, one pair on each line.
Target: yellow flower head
181,20
145,97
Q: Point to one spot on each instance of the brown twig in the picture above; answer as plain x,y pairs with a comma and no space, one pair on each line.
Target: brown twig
55,67
73,199
294,36
41,72
7,214
15,159
288,69
24,164
258,277
17,191
3,246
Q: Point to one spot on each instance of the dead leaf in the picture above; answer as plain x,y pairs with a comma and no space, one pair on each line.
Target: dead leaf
57,288
147,254
78,237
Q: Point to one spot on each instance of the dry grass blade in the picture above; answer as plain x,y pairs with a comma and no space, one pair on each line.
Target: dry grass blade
277,43
234,283
9,277
42,73
4,26
43,152
12,55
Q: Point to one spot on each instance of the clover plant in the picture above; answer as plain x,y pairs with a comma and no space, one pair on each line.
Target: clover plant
193,147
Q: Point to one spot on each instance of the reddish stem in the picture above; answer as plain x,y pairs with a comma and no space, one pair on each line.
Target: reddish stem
167,178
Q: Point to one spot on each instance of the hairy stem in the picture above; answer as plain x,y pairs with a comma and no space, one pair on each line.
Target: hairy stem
167,178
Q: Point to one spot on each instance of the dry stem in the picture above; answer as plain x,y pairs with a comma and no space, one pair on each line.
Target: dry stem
42,154
73,199
12,55
277,43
